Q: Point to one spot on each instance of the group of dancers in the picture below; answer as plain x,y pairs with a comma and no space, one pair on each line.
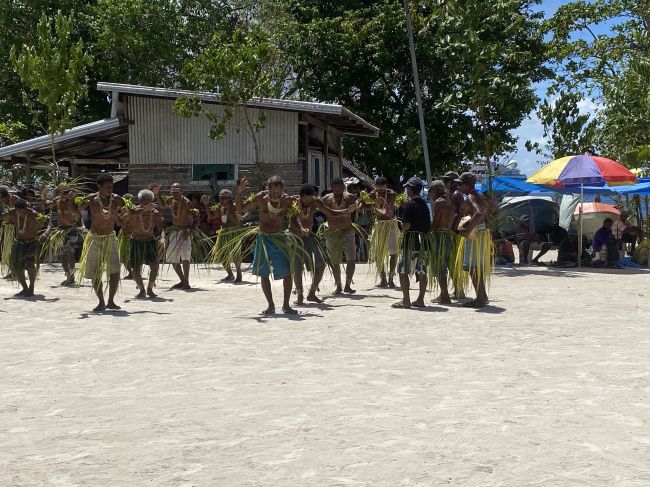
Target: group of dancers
450,243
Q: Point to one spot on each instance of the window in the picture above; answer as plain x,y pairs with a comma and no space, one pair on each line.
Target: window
315,170
213,172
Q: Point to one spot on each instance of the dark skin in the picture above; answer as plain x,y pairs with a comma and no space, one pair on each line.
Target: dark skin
269,224
340,199
181,218
145,225
233,220
67,217
474,207
384,209
443,219
301,225
404,279
24,221
105,208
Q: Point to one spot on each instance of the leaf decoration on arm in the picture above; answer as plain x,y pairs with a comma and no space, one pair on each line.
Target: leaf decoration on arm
294,210
81,200
129,205
366,198
401,199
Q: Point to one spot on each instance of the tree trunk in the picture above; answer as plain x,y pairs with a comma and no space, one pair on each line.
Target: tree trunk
57,176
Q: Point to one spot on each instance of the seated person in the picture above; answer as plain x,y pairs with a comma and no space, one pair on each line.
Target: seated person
525,236
601,237
626,233
553,239
504,253
567,255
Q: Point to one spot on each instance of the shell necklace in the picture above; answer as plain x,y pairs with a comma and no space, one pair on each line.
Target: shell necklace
105,211
146,228
21,227
176,208
273,211
307,210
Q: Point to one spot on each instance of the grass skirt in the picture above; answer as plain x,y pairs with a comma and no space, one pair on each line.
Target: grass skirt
285,247
23,256
383,231
145,252
102,246
232,246
124,245
55,243
442,245
478,255
7,237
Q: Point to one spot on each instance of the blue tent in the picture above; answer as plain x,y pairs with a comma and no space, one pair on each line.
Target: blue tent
513,186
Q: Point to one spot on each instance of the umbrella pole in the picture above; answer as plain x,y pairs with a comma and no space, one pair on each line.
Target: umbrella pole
582,196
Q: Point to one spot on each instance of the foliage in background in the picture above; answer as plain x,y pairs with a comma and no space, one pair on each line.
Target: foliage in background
566,130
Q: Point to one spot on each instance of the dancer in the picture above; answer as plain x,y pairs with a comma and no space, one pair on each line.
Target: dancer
24,247
442,238
385,233
457,199
145,224
7,230
179,235
100,255
339,236
478,252
272,246
63,240
230,218
314,255
416,223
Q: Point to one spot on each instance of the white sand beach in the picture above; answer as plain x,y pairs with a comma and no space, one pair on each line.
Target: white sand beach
549,386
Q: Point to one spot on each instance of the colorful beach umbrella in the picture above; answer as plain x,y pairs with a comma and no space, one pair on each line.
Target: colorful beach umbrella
583,170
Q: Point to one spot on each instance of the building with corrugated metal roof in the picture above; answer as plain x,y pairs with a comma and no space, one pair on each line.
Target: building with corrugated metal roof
300,141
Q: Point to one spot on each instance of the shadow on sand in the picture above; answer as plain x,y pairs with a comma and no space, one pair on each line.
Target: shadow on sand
117,313
35,297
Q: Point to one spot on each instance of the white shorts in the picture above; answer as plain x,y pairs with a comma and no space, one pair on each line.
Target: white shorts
179,245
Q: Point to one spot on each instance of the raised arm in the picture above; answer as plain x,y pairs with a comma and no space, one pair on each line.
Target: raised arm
244,206
329,212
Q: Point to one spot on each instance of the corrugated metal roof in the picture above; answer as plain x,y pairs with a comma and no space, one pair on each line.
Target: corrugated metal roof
339,112
44,141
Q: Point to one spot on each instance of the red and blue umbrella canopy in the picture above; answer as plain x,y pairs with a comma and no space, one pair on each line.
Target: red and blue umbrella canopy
583,170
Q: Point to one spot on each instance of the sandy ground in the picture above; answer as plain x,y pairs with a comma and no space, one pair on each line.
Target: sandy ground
550,386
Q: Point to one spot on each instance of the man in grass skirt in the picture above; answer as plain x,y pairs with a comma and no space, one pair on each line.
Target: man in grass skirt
147,243
442,239
385,233
25,245
416,223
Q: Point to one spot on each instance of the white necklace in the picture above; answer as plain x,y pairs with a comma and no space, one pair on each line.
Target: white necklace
176,208
273,211
105,211
23,227
146,228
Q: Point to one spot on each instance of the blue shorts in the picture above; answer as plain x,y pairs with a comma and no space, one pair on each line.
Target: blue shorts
269,255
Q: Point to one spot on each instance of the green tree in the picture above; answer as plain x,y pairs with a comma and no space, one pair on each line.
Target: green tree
53,72
238,68
567,131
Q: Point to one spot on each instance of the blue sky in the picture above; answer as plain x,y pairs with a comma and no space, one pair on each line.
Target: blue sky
531,128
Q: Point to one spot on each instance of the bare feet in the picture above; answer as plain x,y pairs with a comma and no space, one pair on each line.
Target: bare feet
338,290
141,294
21,294
99,308
391,283
349,290
418,304
178,285
238,278
300,300
441,300
401,305
459,295
228,278
269,311
474,304
312,298
382,284
186,286
112,305
29,293
151,294
288,310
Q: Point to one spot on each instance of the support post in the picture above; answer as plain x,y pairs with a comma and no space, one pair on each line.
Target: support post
418,96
